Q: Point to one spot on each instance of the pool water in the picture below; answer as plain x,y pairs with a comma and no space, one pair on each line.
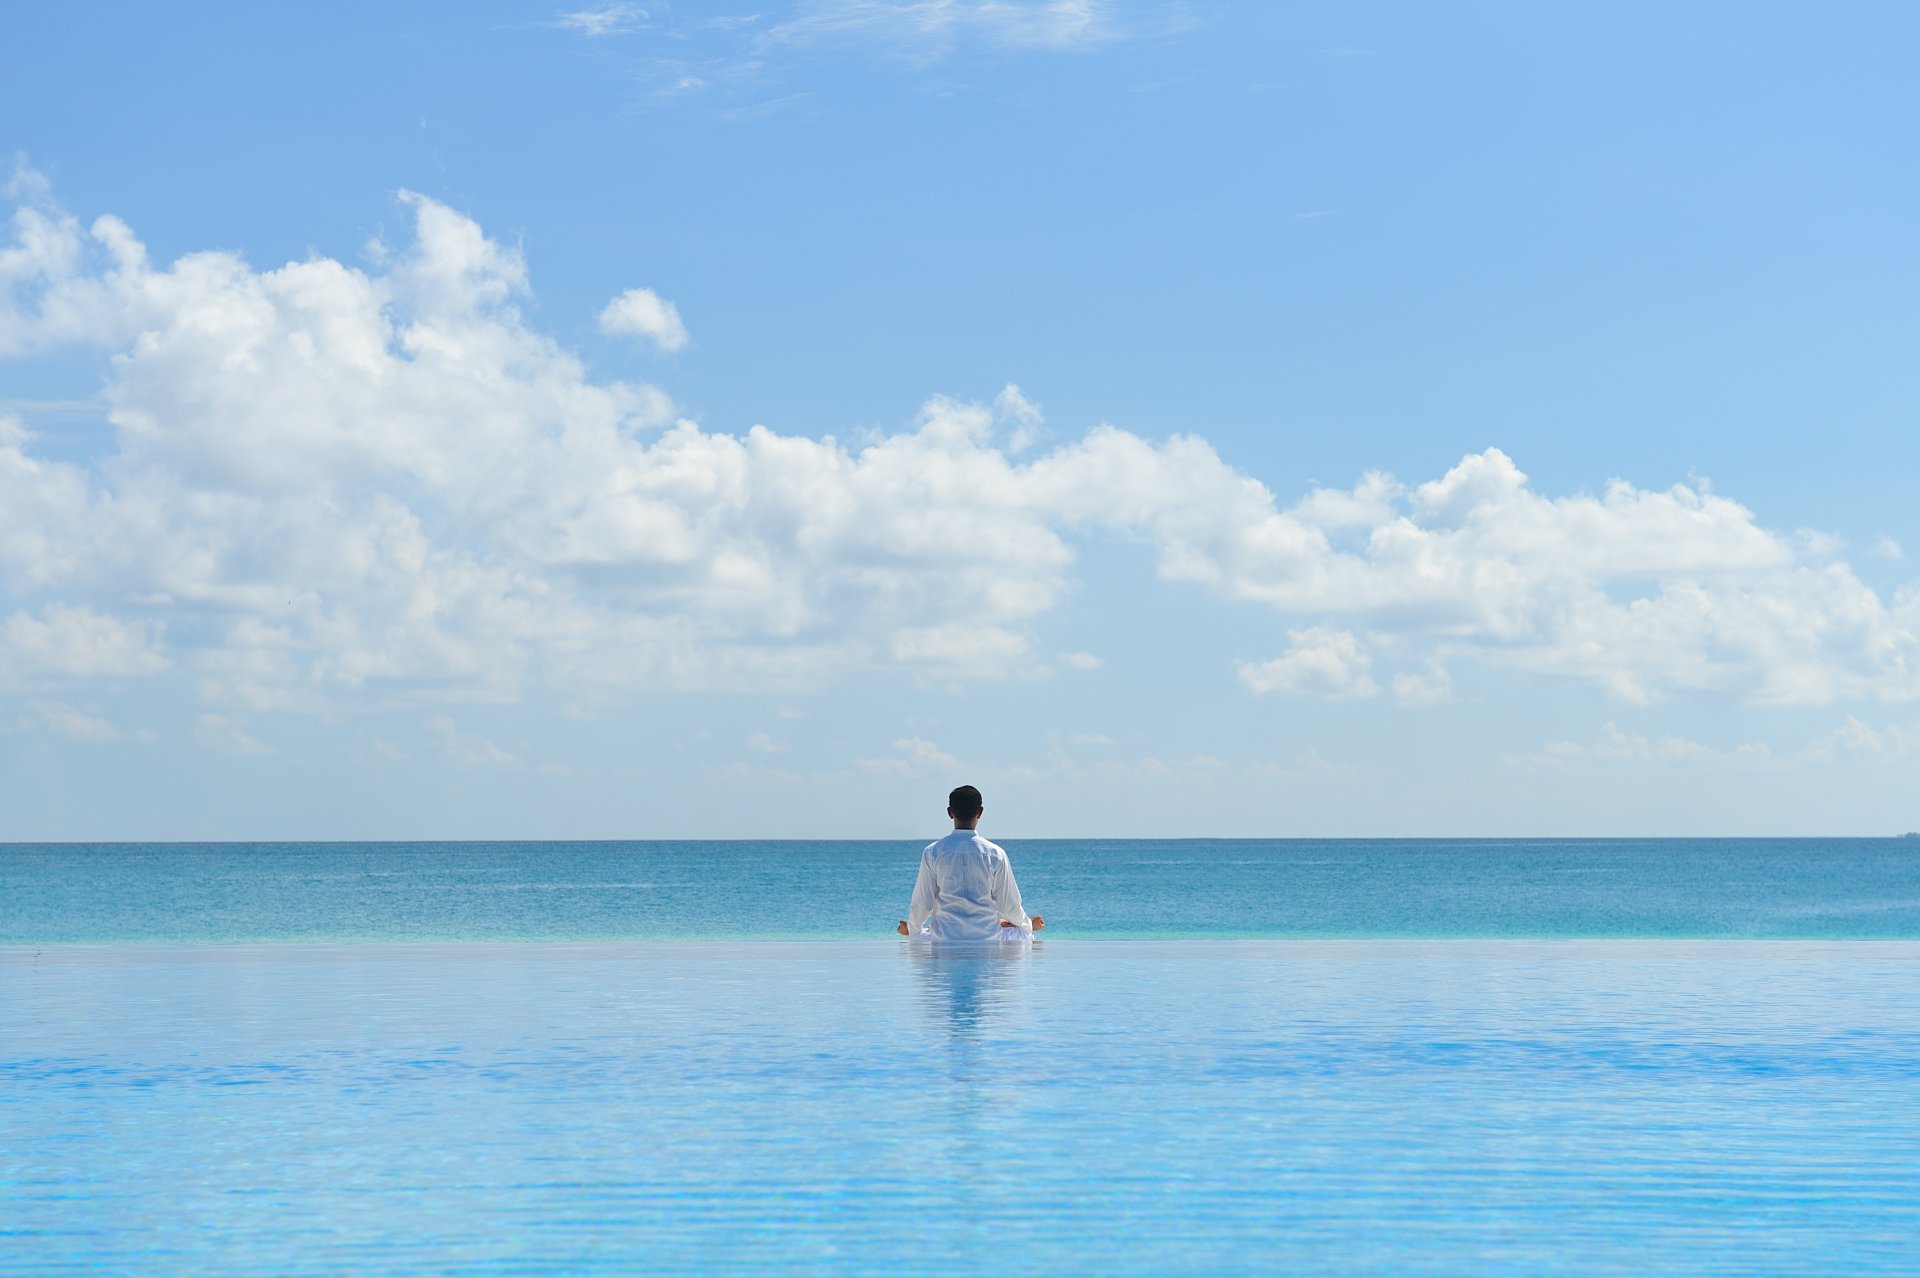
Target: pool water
1085,1106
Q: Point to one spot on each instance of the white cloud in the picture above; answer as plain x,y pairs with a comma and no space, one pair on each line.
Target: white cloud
1858,739
603,19
911,755
1023,416
74,642
643,313
984,651
1432,686
1081,661
1322,661
1887,548
379,753
920,750
227,735
63,720
761,743
1614,745
467,748
336,487
932,27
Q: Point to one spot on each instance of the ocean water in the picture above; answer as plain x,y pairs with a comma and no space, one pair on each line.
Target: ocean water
1150,888
1395,1058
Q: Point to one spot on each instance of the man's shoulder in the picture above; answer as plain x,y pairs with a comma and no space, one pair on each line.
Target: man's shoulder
959,839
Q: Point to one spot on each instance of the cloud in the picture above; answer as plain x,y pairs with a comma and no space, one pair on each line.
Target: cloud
467,748
379,753
1081,661
988,651
761,743
1022,415
335,487
1857,739
75,642
911,755
1887,548
1616,746
920,751
603,20
643,313
224,734
63,720
930,28
1322,662
1432,686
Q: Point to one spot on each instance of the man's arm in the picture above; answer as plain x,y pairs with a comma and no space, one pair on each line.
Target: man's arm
1006,895
920,909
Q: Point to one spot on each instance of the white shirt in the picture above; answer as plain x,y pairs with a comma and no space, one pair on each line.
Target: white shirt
965,888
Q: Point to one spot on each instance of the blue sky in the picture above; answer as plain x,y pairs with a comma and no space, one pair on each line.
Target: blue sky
640,420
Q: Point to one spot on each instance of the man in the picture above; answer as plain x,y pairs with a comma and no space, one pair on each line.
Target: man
966,891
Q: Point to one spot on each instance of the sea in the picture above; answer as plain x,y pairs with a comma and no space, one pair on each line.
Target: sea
1220,1056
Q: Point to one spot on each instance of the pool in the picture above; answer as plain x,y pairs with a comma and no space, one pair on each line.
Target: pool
1084,1106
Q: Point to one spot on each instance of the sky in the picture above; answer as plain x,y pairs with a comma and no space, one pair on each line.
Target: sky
633,420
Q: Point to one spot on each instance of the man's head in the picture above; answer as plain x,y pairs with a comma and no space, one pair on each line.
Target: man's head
965,805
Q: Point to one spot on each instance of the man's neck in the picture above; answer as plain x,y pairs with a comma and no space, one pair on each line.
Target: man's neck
969,826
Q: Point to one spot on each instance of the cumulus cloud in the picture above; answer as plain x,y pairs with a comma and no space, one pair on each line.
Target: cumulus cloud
1322,661
336,486
643,313
74,642
1856,738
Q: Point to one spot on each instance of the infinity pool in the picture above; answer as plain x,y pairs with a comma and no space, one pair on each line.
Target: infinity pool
1088,1106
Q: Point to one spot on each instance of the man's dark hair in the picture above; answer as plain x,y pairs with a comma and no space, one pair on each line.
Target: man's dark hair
966,803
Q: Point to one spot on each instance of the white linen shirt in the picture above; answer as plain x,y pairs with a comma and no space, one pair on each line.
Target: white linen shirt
965,888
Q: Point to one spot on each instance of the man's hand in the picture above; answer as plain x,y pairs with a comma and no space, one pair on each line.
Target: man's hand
1038,922
902,929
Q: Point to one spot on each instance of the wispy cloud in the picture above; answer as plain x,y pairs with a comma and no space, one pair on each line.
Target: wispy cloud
1615,746
225,734
596,21
761,110
930,28
63,720
1155,86
468,748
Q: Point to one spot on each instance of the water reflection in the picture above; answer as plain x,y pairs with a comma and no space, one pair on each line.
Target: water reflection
969,990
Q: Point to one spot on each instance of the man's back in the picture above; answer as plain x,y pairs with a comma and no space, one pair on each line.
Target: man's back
965,888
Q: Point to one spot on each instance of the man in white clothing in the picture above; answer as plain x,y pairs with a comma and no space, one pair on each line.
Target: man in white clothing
966,891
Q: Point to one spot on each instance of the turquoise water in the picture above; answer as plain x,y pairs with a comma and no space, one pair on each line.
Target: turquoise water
365,1059
1678,888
